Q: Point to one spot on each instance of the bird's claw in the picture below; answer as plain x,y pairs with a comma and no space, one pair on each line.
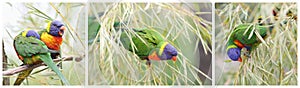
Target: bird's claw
245,53
148,63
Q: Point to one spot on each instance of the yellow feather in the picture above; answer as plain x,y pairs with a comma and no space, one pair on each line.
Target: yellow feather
231,46
25,32
162,48
48,26
46,37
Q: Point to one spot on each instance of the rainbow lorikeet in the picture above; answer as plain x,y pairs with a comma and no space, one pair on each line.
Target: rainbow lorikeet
244,36
31,50
52,36
150,45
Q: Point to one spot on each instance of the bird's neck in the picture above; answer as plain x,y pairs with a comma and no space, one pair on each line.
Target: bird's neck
230,44
162,47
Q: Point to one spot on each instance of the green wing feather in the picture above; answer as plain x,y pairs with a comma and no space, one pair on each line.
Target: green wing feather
28,46
248,30
145,41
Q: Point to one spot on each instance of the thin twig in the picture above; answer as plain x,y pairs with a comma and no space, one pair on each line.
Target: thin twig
26,67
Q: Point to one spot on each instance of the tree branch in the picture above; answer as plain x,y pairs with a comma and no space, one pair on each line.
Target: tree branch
26,67
4,64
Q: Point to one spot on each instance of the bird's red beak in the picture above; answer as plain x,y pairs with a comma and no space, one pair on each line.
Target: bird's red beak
240,60
174,58
62,28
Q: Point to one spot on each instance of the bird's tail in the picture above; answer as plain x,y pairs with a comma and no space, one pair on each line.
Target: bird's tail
22,76
49,62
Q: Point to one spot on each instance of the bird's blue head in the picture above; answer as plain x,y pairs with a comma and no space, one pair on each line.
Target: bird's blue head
56,28
234,53
169,52
165,52
31,33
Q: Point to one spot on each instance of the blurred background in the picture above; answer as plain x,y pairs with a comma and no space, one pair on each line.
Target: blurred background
187,26
273,63
21,16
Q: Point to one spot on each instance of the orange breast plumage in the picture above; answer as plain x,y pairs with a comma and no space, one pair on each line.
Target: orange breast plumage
52,42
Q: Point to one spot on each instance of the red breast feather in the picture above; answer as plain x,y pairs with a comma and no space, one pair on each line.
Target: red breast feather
52,42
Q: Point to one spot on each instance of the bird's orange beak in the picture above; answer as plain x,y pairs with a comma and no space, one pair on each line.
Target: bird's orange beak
174,58
240,60
62,28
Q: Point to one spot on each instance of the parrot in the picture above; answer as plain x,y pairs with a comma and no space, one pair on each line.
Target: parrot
238,40
154,47
52,37
150,45
31,50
